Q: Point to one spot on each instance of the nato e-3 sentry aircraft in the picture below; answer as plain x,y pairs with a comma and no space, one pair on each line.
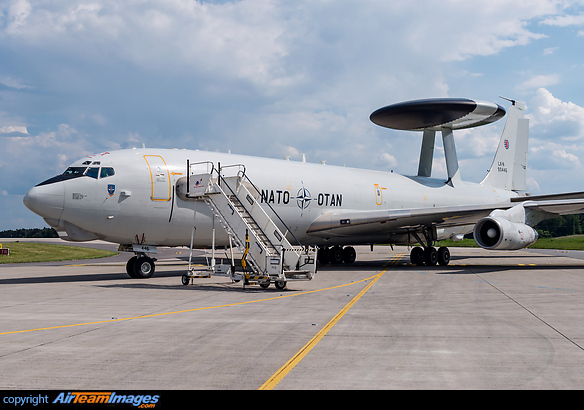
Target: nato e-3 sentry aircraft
278,212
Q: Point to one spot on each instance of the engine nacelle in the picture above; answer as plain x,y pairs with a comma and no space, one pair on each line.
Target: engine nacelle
495,232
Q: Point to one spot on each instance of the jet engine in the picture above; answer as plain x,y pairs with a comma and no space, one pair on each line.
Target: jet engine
495,232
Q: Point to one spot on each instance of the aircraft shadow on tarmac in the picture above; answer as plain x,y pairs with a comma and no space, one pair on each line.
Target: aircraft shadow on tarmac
81,277
224,286
458,266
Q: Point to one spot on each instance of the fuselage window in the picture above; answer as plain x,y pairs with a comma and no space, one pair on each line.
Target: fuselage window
106,172
92,172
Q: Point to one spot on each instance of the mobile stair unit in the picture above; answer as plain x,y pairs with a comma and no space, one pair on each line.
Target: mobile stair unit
267,255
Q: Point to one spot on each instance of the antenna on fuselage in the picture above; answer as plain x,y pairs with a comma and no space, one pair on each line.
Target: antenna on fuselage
508,99
438,114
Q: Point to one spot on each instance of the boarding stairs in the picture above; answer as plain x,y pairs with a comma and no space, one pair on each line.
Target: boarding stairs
267,254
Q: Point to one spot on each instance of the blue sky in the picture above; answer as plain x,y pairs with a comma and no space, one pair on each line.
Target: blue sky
281,78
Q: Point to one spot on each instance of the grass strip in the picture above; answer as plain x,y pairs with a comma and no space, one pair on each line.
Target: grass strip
25,252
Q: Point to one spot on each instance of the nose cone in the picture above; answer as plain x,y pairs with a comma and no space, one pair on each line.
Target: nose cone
46,200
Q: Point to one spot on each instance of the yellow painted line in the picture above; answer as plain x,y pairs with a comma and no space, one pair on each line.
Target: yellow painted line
394,261
284,370
185,311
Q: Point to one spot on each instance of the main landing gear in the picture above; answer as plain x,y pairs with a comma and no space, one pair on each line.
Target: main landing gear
428,255
337,254
140,266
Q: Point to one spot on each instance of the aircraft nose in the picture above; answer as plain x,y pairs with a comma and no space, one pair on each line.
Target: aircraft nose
46,200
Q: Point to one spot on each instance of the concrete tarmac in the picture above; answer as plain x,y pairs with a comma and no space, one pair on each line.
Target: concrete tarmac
489,320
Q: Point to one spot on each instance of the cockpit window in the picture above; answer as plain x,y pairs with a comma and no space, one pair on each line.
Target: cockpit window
70,173
75,171
106,172
92,172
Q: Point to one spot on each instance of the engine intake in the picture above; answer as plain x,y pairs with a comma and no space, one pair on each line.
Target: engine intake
495,232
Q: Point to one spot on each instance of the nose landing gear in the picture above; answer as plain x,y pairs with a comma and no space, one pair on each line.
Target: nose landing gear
140,266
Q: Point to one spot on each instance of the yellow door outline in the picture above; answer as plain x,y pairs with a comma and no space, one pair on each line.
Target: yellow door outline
160,176
378,194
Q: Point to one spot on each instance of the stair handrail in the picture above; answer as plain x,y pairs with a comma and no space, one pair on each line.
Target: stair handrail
225,184
189,165
243,175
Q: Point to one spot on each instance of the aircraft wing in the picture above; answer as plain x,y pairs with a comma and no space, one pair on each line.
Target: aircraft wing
368,222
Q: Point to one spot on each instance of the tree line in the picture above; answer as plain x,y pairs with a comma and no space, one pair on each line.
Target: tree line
29,233
564,225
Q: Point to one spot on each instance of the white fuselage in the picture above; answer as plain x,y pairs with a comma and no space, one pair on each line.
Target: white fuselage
139,202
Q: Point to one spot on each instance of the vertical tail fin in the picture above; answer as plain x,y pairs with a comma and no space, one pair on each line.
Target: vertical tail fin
509,168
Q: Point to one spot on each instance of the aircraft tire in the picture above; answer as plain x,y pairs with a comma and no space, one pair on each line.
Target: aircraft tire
417,256
130,267
336,255
430,256
349,254
443,256
185,279
144,267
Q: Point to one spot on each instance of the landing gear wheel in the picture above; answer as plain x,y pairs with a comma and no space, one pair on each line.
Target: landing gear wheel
443,256
336,255
417,256
185,279
130,267
349,254
144,267
430,256
280,284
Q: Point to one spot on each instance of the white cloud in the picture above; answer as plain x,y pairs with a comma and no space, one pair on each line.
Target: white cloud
239,39
45,154
10,129
261,41
18,12
11,125
565,20
549,51
556,145
555,156
538,81
387,160
555,118
12,82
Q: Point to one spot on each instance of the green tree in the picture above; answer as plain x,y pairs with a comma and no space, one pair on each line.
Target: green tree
29,233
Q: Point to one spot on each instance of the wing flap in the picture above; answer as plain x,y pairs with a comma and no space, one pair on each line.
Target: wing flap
557,207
